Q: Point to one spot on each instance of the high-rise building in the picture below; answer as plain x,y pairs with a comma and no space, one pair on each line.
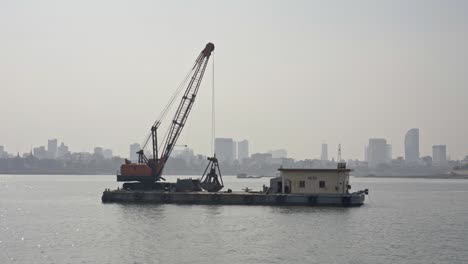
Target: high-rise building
107,153
376,151
186,154
366,153
439,155
62,151
3,153
242,150
412,145
52,148
224,149
40,152
134,148
278,153
262,158
234,150
98,153
324,155
388,153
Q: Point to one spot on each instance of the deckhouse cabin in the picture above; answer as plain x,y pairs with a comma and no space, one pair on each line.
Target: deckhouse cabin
312,181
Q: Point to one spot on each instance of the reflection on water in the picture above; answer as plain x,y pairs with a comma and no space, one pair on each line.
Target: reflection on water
134,213
213,210
309,210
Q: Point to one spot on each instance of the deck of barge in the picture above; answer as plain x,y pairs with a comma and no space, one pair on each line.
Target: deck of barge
233,198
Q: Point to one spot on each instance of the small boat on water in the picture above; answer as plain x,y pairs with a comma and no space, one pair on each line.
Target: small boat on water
245,176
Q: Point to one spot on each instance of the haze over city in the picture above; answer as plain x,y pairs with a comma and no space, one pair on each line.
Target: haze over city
287,74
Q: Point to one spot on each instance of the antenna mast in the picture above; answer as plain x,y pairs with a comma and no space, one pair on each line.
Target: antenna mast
341,164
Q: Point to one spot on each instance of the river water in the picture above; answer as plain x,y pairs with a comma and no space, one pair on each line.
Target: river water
60,219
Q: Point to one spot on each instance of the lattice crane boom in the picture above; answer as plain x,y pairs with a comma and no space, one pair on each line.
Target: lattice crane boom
182,113
149,170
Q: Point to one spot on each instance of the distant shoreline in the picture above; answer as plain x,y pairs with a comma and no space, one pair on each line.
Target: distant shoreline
91,174
55,173
448,176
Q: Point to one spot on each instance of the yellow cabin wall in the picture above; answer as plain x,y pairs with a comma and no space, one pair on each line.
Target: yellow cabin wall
335,181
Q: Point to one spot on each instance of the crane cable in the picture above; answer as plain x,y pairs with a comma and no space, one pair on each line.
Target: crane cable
213,127
169,105
213,116
189,119
212,111
174,96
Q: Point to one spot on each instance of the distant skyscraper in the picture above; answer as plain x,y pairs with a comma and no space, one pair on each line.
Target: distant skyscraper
366,153
3,153
234,150
186,154
40,152
62,151
376,151
439,155
324,155
224,149
134,148
98,153
278,153
242,150
388,153
52,148
262,158
412,145
107,153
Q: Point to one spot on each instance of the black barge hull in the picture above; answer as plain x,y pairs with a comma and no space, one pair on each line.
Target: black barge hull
234,198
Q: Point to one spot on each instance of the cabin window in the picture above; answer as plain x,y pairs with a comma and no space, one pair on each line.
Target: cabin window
301,184
322,184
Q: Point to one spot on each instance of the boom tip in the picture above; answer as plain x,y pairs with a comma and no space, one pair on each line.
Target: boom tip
208,49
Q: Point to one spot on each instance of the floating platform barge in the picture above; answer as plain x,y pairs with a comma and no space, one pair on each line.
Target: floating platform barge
233,198
295,186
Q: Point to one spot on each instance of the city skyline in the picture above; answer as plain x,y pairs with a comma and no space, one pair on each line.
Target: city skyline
230,150
360,73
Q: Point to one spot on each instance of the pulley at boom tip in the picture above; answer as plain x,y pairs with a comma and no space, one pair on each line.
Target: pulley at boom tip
208,49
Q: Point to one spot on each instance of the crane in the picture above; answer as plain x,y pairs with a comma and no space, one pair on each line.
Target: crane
149,170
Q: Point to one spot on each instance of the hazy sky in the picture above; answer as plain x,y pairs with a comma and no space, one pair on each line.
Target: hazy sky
289,74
